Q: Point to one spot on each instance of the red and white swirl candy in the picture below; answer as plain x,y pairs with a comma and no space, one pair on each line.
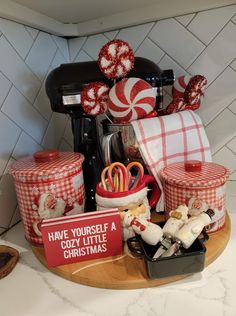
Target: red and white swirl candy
187,93
195,89
190,88
179,86
131,99
94,98
175,106
116,59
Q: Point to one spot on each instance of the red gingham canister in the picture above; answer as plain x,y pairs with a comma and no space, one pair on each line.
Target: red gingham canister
48,184
201,182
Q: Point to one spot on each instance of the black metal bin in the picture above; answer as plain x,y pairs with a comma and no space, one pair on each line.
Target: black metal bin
190,261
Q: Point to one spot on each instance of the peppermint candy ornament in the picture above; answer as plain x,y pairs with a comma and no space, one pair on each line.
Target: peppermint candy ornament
116,59
176,105
195,89
94,98
131,99
179,86
191,89
187,93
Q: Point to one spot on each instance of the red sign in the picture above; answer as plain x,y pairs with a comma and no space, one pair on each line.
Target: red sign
86,236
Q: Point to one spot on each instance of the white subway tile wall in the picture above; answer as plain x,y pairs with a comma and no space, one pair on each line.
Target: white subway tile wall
75,45
26,120
202,42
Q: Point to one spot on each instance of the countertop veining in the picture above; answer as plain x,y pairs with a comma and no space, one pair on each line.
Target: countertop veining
31,290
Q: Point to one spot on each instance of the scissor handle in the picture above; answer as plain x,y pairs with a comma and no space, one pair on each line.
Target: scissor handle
123,176
140,174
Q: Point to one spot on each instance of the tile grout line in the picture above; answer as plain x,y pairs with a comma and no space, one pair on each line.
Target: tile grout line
166,54
107,36
127,27
81,48
230,109
49,120
154,23
209,43
7,229
194,15
58,48
231,66
30,102
16,143
220,31
11,154
63,133
68,120
44,76
67,142
45,132
219,113
184,68
10,226
218,75
25,26
48,128
63,139
225,145
9,42
26,67
144,37
212,39
234,153
179,16
194,35
210,9
42,83
11,157
87,54
15,123
34,40
234,16
83,51
5,97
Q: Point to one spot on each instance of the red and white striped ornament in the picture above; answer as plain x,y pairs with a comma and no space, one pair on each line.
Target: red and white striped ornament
116,59
195,89
179,86
94,98
131,99
175,106
187,93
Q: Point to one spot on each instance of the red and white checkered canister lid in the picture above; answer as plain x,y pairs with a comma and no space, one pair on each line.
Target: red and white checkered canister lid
194,173
46,165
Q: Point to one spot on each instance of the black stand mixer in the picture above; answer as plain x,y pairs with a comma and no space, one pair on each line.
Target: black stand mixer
64,85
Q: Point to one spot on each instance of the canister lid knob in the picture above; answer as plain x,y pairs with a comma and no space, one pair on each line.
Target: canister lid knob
46,155
193,166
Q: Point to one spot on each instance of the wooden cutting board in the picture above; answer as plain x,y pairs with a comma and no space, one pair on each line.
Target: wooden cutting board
126,272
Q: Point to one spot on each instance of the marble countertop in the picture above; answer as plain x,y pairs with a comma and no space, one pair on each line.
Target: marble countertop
31,290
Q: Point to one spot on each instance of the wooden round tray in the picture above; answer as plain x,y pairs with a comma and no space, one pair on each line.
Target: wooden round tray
126,272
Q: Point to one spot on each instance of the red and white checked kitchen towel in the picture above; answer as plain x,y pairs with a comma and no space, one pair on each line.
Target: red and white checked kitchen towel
172,138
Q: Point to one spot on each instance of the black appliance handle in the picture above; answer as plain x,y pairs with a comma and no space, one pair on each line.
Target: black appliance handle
86,142
135,247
